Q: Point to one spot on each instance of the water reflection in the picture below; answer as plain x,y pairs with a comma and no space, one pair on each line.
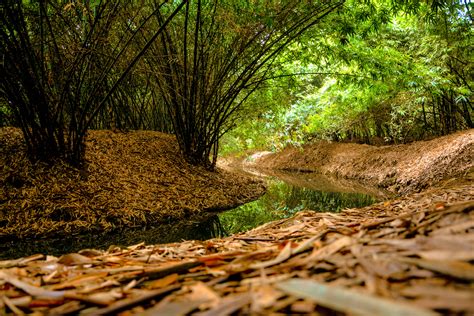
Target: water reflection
287,194
283,200
199,229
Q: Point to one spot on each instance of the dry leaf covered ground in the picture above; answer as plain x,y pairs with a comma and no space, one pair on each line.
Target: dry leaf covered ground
412,255
402,168
409,256
132,179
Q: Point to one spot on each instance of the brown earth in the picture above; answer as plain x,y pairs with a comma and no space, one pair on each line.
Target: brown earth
409,256
132,179
412,255
401,168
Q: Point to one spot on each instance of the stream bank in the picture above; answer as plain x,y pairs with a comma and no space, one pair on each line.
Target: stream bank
407,256
138,179
410,255
287,194
132,180
401,169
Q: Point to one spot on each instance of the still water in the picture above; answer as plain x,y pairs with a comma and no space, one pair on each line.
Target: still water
286,194
282,201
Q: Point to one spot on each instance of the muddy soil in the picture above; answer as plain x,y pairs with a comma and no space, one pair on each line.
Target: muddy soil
401,168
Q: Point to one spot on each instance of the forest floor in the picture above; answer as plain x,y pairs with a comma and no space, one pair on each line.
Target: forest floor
132,179
401,169
411,255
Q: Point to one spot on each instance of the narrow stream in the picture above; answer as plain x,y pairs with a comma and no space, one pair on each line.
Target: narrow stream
287,193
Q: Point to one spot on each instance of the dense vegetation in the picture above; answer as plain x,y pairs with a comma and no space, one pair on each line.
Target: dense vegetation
248,74
372,74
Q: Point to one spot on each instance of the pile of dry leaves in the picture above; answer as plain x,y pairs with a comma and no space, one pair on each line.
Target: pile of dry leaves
132,179
410,256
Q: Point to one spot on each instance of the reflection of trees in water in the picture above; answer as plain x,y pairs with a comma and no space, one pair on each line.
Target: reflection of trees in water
166,233
283,200
325,201
291,199
248,216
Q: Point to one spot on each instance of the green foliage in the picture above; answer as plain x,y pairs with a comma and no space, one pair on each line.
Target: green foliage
62,61
5,115
383,71
267,73
215,56
270,207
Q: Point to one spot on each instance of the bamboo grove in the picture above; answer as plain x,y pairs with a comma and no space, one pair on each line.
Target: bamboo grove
203,69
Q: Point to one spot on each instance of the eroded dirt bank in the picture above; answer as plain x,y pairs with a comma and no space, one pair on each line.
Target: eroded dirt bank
132,180
401,168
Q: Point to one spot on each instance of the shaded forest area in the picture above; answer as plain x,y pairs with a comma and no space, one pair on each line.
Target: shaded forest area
182,67
251,74
113,115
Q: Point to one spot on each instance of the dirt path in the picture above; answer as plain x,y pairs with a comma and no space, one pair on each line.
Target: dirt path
402,168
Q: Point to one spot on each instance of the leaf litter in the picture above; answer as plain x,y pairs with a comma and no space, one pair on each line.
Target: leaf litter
409,256
404,168
128,182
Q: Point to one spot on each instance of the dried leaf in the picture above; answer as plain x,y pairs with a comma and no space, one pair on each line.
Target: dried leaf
177,308
79,280
131,302
348,301
458,269
303,307
104,298
456,228
282,256
160,283
74,259
264,297
30,289
330,249
11,305
229,305
454,254
437,292
442,303
202,293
